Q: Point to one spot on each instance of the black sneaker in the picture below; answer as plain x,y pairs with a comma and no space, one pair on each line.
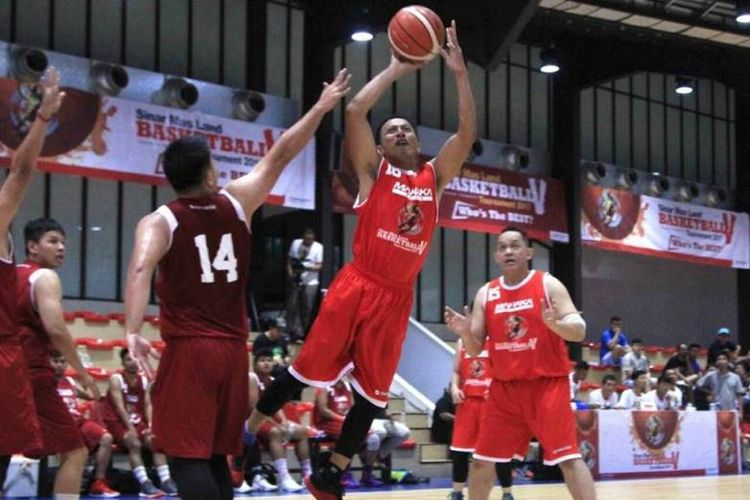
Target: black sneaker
322,489
456,495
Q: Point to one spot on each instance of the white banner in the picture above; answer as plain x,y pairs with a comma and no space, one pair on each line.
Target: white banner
619,220
119,139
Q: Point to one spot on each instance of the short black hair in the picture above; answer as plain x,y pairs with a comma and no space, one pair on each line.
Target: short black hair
582,365
724,352
664,378
694,344
262,353
124,352
185,160
636,340
309,231
608,377
379,130
54,353
615,318
36,228
514,229
637,373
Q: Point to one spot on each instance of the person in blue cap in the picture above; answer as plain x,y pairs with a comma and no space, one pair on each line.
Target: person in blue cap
722,342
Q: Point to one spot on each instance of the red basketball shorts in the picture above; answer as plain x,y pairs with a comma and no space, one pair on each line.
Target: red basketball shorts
332,428
119,430
91,432
200,397
60,432
518,410
361,327
466,424
19,427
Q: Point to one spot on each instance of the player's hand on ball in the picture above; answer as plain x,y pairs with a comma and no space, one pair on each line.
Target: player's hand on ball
460,324
334,91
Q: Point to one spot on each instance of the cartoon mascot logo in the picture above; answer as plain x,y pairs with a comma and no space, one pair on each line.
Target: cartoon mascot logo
609,209
515,327
410,219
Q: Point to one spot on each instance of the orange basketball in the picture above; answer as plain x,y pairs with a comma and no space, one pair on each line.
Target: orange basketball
416,34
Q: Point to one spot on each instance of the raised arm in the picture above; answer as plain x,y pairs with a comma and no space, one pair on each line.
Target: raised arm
451,157
561,315
151,243
359,142
252,189
48,300
23,164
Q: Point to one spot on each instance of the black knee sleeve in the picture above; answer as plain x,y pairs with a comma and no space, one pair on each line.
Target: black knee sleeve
278,393
4,464
504,473
356,426
460,466
194,478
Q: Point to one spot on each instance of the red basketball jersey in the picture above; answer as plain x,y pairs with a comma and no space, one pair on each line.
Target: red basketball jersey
36,343
133,395
67,391
396,222
8,298
202,277
521,345
475,374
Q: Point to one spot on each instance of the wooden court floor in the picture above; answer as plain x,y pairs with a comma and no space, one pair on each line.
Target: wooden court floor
686,488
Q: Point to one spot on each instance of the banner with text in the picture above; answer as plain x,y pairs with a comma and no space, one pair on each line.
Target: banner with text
115,138
619,220
487,200
635,444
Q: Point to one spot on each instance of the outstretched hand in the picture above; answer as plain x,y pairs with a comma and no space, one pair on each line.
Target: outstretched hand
140,348
334,91
52,97
458,323
452,54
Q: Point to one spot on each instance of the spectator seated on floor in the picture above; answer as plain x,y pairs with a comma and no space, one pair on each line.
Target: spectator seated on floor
661,398
614,357
606,396
630,399
633,361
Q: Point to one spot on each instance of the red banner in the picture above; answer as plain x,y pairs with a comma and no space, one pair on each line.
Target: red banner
487,200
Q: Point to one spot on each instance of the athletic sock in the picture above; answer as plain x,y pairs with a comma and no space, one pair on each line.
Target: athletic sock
306,467
140,474
163,471
282,468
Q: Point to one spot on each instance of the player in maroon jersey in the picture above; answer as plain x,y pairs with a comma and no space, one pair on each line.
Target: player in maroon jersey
19,429
362,322
42,329
201,245
526,316
94,435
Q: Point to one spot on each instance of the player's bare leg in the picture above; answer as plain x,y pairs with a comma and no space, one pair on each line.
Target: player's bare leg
481,479
68,479
578,479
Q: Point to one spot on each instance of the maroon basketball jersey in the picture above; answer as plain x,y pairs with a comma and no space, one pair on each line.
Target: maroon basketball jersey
521,346
8,297
67,391
202,277
133,395
36,343
396,222
474,374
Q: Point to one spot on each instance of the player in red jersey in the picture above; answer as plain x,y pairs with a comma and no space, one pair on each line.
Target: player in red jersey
19,429
470,383
95,436
42,329
526,316
127,415
201,245
362,322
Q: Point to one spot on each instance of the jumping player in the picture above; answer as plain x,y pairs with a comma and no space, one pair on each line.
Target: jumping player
19,429
201,245
526,316
470,383
363,320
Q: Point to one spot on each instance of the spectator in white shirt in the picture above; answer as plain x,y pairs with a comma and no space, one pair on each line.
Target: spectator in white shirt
614,357
661,398
630,399
678,388
634,360
303,267
606,397
577,376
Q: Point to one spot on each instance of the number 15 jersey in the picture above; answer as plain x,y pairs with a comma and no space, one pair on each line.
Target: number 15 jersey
202,277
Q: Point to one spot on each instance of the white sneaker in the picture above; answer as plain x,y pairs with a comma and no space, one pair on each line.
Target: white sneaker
244,488
290,485
260,483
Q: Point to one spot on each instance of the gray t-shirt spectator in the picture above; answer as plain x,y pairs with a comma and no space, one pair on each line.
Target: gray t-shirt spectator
631,363
725,388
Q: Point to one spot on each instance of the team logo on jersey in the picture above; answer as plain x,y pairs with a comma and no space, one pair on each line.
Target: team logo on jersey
493,293
477,369
510,307
515,327
609,209
415,193
410,219
397,172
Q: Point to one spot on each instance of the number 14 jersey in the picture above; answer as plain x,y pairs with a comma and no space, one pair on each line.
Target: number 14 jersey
202,277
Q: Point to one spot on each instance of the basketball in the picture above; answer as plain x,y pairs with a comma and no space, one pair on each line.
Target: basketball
416,34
